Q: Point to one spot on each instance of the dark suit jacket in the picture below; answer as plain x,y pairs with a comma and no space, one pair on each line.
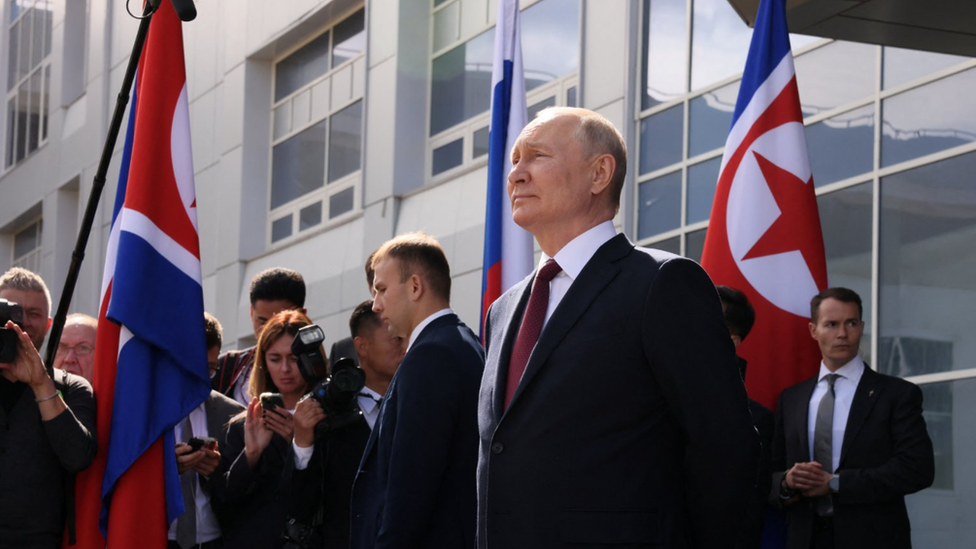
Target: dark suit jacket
630,424
750,536
416,484
326,484
253,503
36,459
886,454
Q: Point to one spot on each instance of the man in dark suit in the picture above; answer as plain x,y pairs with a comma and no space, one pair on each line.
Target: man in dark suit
199,527
850,443
416,484
611,411
739,318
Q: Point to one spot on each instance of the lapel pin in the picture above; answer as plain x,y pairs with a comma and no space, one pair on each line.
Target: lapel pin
871,393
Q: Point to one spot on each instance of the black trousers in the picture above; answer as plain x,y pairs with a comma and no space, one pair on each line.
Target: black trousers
823,533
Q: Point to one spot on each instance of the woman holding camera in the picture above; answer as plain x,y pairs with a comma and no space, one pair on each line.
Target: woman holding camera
251,497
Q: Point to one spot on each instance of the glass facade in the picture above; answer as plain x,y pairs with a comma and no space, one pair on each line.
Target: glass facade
891,137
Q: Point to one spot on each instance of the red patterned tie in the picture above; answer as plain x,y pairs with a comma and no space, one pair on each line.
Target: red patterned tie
528,334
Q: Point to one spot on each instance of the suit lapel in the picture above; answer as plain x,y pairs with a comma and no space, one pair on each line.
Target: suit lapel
599,271
507,338
865,396
803,417
213,419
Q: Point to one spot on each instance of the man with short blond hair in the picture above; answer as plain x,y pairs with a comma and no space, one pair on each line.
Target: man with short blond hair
28,290
611,410
416,482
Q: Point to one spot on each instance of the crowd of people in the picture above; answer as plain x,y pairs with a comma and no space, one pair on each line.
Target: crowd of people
606,407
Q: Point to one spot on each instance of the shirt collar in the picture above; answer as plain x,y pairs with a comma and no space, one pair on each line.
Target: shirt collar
575,255
423,324
368,398
852,370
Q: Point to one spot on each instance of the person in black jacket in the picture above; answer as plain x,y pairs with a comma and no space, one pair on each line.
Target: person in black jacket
325,469
253,493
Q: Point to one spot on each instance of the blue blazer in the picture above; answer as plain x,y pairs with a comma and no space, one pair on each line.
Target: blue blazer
630,427
416,483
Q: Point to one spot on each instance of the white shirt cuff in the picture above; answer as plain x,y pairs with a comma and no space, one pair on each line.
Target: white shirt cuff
302,456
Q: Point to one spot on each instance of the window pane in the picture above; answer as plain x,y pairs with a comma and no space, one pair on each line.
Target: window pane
45,101
26,240
845,220
13,7
695,244
571,97
11,126
929,119
39,40
298,165
281,228
12,56
23,112
306,64
660,205
309,216
942,515
461,82
901,65
550,41
710,118
719,42
665,67
661,136
702,180
446,26
340,203
672,245
26,27
350,38
842,146
34,116
345,141
927,260
448,156
533,110
480,142
834,74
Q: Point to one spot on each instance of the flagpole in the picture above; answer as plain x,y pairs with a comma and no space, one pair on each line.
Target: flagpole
98,185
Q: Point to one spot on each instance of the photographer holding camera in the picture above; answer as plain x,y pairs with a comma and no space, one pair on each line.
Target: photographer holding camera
325,466
47,426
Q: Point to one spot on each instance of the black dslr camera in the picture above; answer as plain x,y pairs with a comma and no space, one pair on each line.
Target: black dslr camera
8,338
337,391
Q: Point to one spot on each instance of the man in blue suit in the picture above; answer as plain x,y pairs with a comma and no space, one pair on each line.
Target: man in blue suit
612,413
416,484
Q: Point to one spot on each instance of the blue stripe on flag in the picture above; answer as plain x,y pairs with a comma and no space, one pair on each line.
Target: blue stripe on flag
766,50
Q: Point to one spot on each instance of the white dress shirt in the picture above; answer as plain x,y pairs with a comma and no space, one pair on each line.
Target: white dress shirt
844,388
207,527
572,258
369,403
424,323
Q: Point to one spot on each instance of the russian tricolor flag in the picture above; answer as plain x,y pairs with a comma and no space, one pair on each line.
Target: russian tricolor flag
508,247
150,362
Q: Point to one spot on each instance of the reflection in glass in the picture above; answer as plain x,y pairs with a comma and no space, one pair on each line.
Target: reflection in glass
306,64
281,228
660,139
550,41
298,165
660,205
719,42
916,124
901,65
664,71
928,257
350,38
710,118
345,141
309,216
461,82
702,180
480,142
942,516
533,110
341,202
835,74
448,156
695,244
842,146
846,223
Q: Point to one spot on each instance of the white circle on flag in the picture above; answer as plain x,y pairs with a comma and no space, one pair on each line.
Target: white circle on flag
784,278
